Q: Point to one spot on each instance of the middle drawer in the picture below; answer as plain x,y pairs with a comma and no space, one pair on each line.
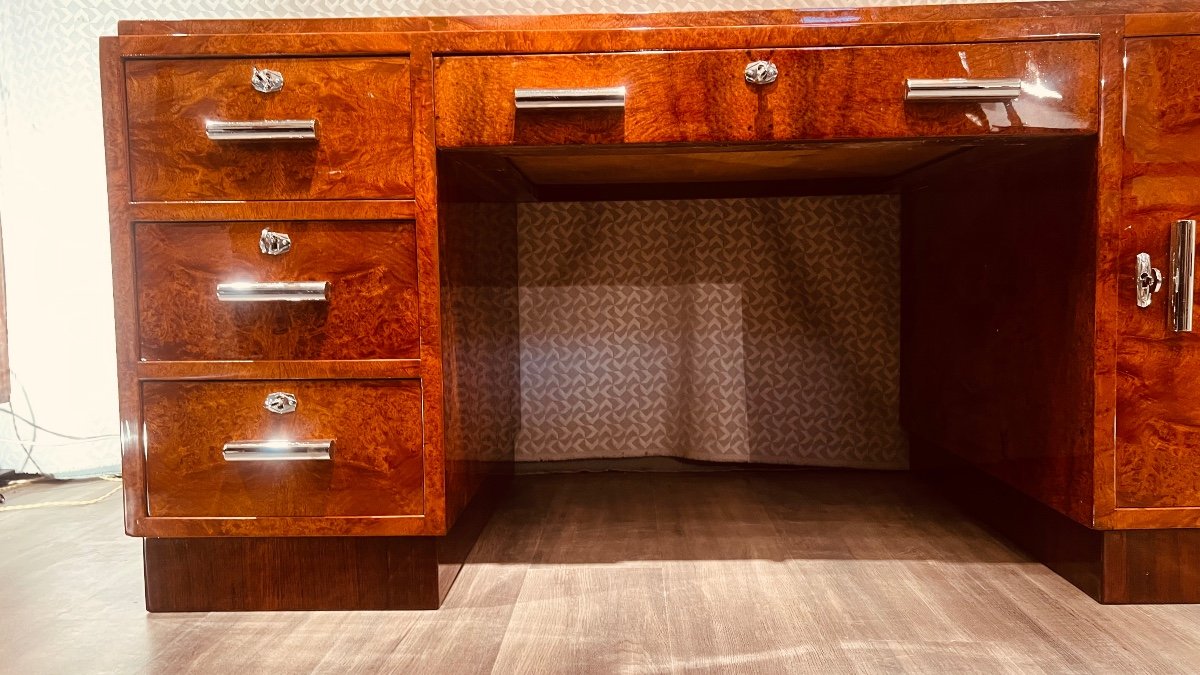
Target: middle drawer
873,92
277,290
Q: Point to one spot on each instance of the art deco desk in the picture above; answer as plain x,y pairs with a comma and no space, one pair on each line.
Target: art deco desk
315,264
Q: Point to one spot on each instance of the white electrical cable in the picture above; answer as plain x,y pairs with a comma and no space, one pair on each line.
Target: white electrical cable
43,505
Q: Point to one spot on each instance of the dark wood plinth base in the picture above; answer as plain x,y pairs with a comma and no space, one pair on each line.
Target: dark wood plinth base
1113,566
237,574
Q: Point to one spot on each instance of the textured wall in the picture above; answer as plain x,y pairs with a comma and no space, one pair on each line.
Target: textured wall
52,202
759,330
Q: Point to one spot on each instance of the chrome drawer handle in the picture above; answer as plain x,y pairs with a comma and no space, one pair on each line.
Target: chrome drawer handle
961,89
1181,290
261,130
273,291
541,99
278,451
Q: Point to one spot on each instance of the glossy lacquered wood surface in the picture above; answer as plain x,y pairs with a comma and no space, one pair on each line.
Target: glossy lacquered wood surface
816,17
361,106
371,311
997,320
851,93
481,345
1158,418
375,470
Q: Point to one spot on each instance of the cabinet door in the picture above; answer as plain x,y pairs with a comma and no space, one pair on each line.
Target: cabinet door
1158,363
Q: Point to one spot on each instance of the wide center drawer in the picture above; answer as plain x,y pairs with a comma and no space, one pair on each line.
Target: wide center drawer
277,290
797,94
336,128
283,448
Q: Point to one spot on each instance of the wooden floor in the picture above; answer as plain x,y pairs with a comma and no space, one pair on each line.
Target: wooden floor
821,572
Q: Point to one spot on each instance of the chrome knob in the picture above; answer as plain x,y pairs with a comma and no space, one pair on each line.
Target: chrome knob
274,243
1149,280
266,81
280,402
761,72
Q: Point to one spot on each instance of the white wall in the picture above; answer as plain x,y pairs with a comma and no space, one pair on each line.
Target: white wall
52,193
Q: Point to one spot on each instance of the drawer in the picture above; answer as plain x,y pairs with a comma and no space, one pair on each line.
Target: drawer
704,96
213,449
359,110
330,290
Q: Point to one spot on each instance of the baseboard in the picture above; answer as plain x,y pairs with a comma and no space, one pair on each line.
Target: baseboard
1112,566
243,574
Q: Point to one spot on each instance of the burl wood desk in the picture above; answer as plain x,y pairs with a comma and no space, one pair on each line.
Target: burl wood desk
315,264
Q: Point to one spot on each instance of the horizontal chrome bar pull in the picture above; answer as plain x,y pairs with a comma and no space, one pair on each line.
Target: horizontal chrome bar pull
963,89
273,291
278,451
1182,288
261,130
543,99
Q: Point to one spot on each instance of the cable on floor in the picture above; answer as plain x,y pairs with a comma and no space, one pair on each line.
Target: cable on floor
80,502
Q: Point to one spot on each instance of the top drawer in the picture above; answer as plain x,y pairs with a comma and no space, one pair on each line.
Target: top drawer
359,111
705,96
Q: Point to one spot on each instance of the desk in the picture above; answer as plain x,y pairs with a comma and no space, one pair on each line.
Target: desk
315,264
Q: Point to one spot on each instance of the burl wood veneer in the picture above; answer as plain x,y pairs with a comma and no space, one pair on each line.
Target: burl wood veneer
1023,347
361,108
703,97
370,266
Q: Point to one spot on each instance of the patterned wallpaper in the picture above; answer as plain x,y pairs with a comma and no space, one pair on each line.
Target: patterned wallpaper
53,209
750,330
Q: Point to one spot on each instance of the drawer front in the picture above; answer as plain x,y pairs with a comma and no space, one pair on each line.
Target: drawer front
206,454
360,110
358,301
704,96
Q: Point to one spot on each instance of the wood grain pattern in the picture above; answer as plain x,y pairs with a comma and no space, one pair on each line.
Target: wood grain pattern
242,574
371,312
997,322
362,369
364,129
1158,416
375,470
883,577
116,161
1115,567
481,345
699,97
643,20
343,209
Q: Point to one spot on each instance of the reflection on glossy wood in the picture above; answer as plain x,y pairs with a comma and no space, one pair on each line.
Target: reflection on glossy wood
1158,420
481,345
997,326
375,467
371,312
700,97
364,146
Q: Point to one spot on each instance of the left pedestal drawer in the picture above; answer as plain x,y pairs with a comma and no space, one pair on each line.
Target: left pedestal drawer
277,290
269,128
283,448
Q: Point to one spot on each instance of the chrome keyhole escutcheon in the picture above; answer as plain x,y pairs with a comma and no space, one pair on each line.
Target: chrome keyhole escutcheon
265,80
1149,280
761,72
274,243
280,402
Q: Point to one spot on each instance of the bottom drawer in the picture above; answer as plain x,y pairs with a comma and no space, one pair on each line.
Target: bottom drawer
283,448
